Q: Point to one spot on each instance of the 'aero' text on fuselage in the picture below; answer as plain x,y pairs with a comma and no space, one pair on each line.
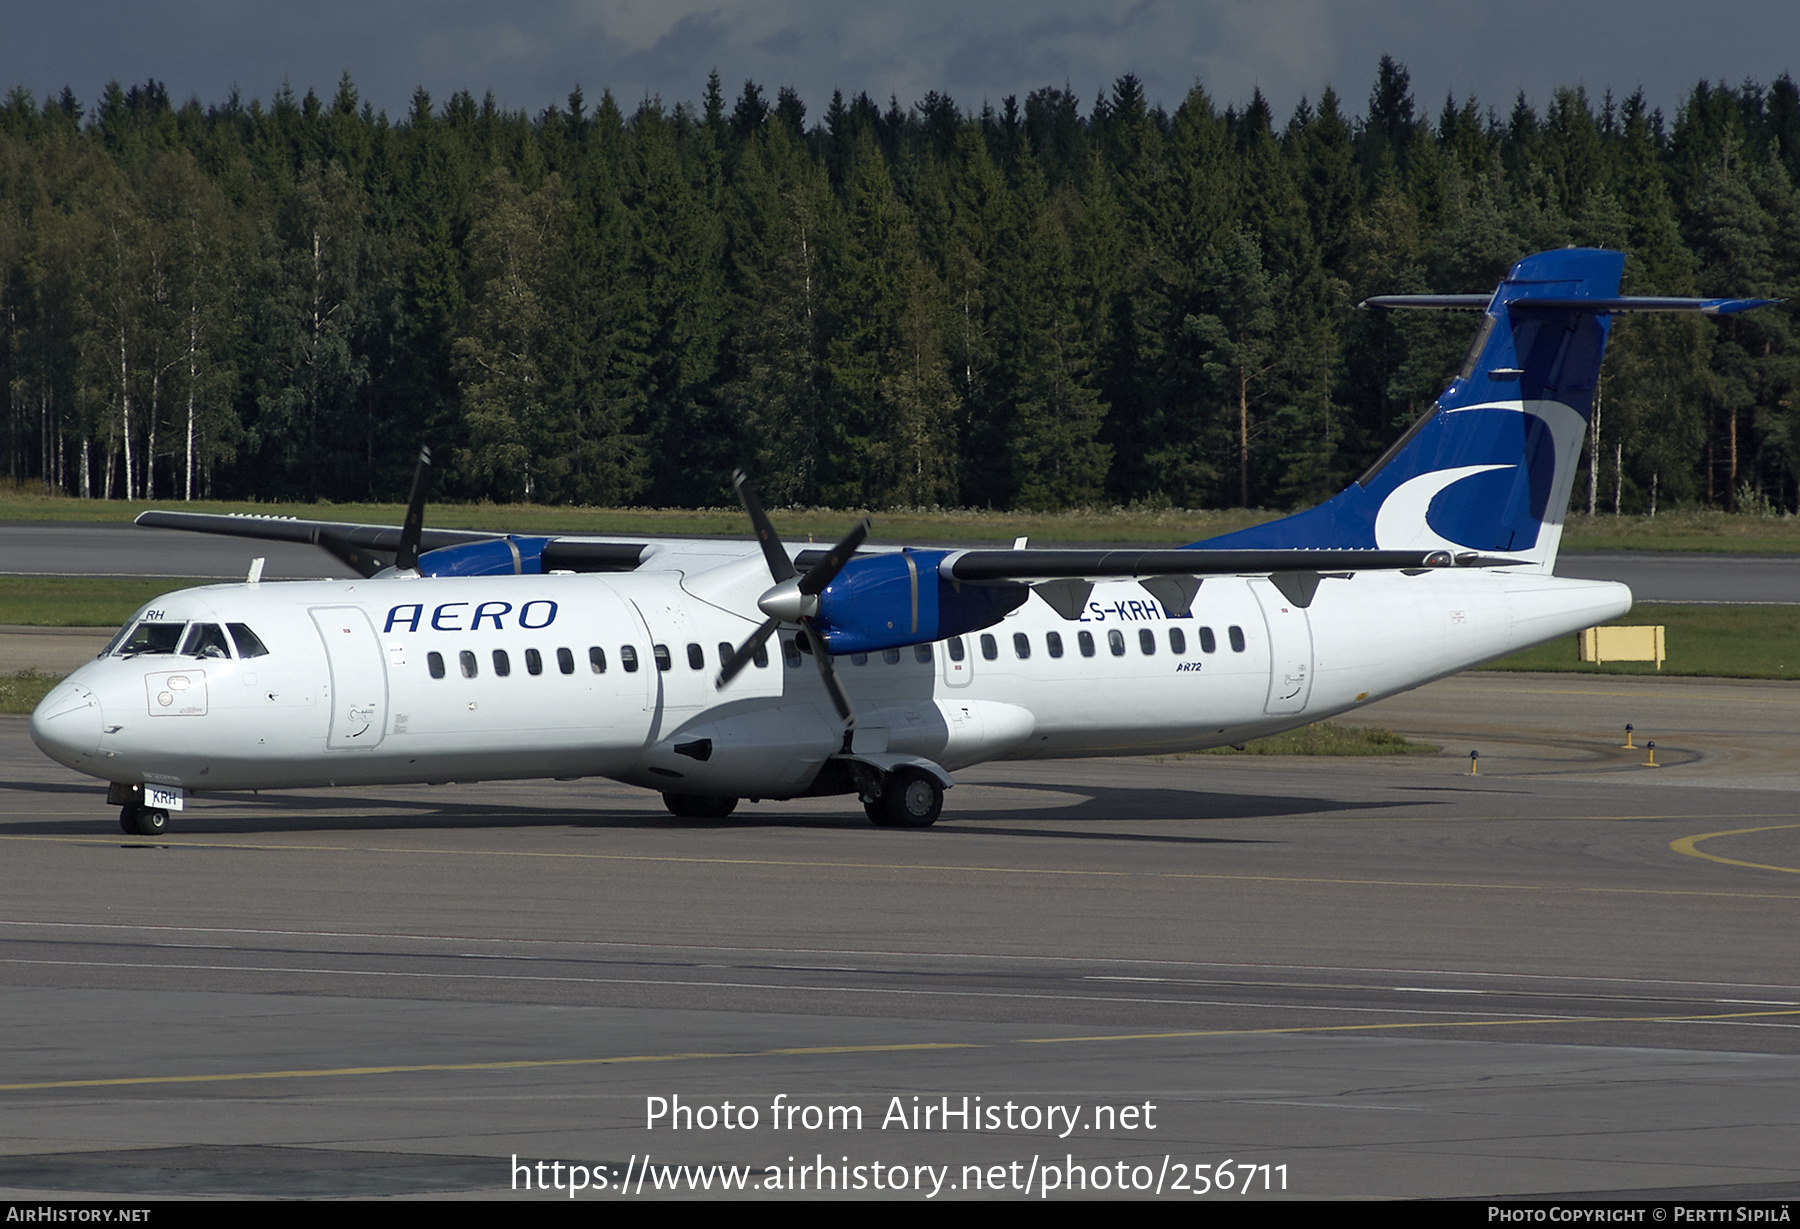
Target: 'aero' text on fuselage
449,616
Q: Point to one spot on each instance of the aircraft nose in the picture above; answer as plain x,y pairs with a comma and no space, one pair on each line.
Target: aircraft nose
66,725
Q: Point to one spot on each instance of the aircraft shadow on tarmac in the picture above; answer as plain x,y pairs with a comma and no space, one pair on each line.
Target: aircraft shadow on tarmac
1111,808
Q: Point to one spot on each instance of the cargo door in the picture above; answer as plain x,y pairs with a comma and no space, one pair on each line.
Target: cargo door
359,682
1290,650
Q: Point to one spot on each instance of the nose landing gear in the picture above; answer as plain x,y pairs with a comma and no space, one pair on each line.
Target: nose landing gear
136,819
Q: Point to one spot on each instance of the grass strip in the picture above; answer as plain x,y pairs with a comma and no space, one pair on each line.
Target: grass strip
1744,642
21,692
79,601
1329,738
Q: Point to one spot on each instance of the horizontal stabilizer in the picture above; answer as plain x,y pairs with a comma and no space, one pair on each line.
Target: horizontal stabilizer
1645,303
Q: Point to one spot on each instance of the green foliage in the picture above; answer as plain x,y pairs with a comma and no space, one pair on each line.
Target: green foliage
21,692
1041,305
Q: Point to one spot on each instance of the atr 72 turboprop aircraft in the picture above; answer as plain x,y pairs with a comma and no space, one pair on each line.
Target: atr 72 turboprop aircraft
683,666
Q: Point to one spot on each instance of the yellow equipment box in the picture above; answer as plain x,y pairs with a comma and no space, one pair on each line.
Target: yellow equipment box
1623,644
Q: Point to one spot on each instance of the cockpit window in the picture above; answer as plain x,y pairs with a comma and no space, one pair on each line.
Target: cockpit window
248,644
148,637
206,640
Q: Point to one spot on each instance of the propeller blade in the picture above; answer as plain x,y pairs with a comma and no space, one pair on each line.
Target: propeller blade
825,570
829,675
780,566
414,524
746,654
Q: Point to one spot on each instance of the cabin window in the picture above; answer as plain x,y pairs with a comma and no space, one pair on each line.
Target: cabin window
565,661
1208,643
1053,642
247,643
790,653
760,656
434,662
664,662
534,662
1236,634
859,659
725,652
696,657
989,649
157,638
1146,642
597,659
502,663
1177,641
1115,640
1021,645
469,666
955,645
206,640
922,654
891,656
1085,641
628,658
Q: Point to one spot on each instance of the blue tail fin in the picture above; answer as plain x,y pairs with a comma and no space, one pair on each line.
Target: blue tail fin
1489,468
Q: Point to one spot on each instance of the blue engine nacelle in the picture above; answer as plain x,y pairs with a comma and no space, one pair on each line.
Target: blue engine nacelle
888,601
495,557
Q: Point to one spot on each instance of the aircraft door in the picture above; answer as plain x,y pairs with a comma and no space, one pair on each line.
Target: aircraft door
359,683
958,655
1290,650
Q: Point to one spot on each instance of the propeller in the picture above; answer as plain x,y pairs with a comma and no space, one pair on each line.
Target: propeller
794,598
414,524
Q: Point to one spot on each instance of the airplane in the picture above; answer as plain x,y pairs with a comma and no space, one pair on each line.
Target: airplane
682,666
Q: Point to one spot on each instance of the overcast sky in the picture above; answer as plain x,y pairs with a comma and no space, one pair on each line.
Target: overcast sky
531,53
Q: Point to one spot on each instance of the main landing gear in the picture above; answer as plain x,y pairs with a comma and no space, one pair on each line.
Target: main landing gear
699,806
903,796
136,819
910,798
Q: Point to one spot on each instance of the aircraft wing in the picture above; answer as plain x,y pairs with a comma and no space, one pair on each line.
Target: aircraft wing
315,533
989,565
372,548
366,548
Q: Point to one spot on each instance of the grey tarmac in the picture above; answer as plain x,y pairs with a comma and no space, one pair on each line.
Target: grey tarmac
1568,974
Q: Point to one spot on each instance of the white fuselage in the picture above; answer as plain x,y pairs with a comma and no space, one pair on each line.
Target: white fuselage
400,680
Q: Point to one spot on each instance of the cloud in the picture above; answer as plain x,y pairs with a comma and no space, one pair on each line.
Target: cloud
532,52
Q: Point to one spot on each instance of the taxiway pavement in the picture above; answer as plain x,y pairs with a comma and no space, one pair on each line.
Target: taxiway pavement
1568,974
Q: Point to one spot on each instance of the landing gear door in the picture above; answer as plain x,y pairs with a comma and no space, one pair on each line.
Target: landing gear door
1290,650
359,684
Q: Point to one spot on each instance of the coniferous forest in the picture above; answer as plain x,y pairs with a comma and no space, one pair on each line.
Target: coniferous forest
1053,302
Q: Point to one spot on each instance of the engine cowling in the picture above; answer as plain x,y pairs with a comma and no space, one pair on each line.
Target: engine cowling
892,600
508,556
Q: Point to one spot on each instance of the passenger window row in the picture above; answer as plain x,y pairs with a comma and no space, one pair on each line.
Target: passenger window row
1115,643
792,649
470,663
